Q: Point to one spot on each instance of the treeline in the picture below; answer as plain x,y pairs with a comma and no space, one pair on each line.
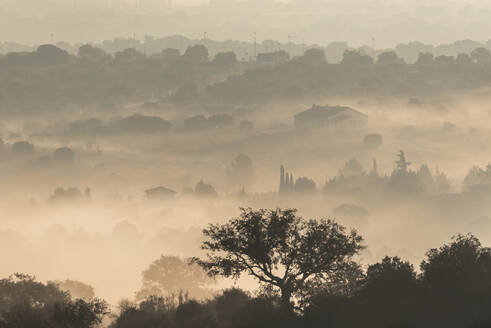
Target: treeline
27,303
403,180
308,278
452,289
357,75
245,50
354,180
51,79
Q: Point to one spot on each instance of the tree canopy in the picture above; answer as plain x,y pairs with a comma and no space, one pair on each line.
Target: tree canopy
279,249
171,275
27,303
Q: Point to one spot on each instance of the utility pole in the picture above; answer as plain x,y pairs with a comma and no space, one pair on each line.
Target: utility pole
255,46
52,38
289,46
145,44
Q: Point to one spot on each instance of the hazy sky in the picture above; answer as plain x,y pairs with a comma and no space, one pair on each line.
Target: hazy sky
359,22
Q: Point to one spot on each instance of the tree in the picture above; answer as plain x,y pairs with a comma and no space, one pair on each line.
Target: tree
242,170
225,60
390,288
171,275
457,277
426,179
463,59
204,189
481,56
62,195
228,305
402,179
77,289
352,168
389,58
402,164
389,280
459,267
279,56
262,312
23,148
355,59
444,60
27,303
79,313
442,183
92,53
196,54
153,312
305,185
425,60
314,57
20,288
193,315
477,176
128,55
279,249
170,54
63,154
48,54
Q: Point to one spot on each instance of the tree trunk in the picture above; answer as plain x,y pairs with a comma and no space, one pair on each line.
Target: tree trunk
286,304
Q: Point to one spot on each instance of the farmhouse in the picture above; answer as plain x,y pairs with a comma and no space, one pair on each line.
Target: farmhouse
332,117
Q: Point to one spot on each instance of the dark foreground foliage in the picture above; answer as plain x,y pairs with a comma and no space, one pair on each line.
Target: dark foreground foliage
451,289
27,303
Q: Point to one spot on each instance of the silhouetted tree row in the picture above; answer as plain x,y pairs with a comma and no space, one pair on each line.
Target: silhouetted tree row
308,276
353,179
358,74
27,303
50,78
334,50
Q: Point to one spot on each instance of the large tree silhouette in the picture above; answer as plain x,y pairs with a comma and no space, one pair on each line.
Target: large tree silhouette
279,249
171,275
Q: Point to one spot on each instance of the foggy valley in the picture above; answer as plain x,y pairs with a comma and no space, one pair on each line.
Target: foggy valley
302,164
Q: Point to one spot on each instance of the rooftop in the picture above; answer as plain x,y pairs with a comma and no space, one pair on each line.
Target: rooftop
326,112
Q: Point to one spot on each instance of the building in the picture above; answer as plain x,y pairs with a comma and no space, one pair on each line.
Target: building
332,117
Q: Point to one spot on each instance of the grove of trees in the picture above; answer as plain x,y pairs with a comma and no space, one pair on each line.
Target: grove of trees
51,79
27,303
307,273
